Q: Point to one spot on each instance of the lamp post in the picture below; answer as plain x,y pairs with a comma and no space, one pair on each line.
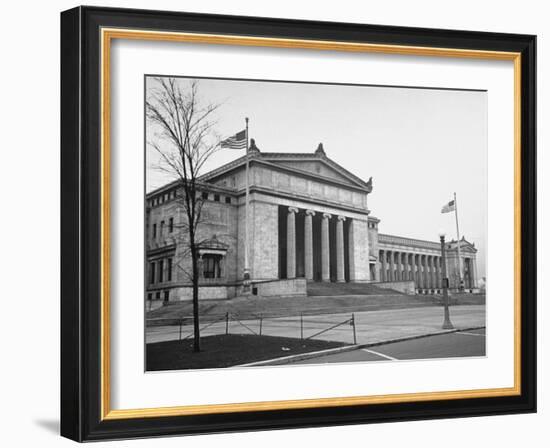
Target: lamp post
447,325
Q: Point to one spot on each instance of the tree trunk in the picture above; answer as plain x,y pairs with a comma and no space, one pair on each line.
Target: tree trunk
196,329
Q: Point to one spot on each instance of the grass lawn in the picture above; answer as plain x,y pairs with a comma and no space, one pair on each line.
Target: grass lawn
227,350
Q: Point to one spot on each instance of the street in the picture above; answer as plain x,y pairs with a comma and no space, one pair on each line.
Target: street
459,344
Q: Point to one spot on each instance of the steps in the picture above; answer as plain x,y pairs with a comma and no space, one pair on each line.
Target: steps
347,289
250,308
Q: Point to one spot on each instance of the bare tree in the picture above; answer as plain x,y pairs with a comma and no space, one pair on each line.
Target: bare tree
185,140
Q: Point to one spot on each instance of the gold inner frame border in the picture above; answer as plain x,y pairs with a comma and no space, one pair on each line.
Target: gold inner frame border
107,35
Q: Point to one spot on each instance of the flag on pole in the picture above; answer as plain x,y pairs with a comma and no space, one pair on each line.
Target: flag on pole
449,207
237,141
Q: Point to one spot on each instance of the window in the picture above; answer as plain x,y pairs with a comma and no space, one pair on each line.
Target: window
166,296
150,296
161,271
171,225
217,197
227,200
204,195
154,231
157,295
211,266
169,270
152,273
161,229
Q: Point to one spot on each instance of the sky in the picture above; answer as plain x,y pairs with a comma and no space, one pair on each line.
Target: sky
419,145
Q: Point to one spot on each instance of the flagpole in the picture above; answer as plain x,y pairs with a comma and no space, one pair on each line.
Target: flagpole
246,266
458,244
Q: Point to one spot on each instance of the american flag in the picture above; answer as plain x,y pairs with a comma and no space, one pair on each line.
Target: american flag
237,141
449,207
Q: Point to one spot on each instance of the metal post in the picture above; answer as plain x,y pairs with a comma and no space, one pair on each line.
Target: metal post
447,325
181,323
460,278
301,326
246,273
353,325
226,323
261,319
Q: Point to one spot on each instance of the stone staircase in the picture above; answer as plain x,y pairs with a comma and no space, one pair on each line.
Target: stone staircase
347,289
334,301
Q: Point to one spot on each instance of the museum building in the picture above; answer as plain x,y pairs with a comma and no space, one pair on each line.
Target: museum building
308,221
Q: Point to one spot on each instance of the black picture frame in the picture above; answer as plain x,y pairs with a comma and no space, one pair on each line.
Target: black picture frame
81,224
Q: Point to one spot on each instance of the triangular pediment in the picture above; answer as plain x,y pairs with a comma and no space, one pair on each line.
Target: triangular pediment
308,164
317,166
465,246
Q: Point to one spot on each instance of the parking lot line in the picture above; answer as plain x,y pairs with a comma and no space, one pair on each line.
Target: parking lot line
379,354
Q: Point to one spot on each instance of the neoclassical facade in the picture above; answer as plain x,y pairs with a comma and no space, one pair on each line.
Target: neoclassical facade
308,220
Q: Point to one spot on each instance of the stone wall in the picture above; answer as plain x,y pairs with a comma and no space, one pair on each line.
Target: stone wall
219,219
406,287
296,287
359,251
215,292
264,250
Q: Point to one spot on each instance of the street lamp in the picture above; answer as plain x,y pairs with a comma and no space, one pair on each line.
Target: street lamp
447,325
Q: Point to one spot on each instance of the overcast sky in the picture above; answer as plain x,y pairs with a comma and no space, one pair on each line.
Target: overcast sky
419,145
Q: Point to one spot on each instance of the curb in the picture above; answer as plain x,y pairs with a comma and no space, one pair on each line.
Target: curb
348,348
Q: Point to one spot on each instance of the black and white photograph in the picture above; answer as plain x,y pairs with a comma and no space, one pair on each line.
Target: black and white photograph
290,223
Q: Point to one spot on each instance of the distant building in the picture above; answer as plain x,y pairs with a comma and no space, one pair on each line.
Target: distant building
308,221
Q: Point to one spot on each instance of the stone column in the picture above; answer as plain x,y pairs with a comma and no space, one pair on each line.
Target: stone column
325,249
340,269
429,271
406,267
391,276
416,263
291,243
421,261
397,261
382,255
474,271
308,244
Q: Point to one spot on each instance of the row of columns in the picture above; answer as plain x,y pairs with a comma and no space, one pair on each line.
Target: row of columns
424,269
308,245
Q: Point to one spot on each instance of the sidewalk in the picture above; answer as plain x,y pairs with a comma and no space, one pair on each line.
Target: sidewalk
371,326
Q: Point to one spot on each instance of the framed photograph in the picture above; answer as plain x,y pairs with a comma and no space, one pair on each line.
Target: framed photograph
272,223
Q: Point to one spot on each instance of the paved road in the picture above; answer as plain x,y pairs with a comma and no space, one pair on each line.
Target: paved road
371,326
459,344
